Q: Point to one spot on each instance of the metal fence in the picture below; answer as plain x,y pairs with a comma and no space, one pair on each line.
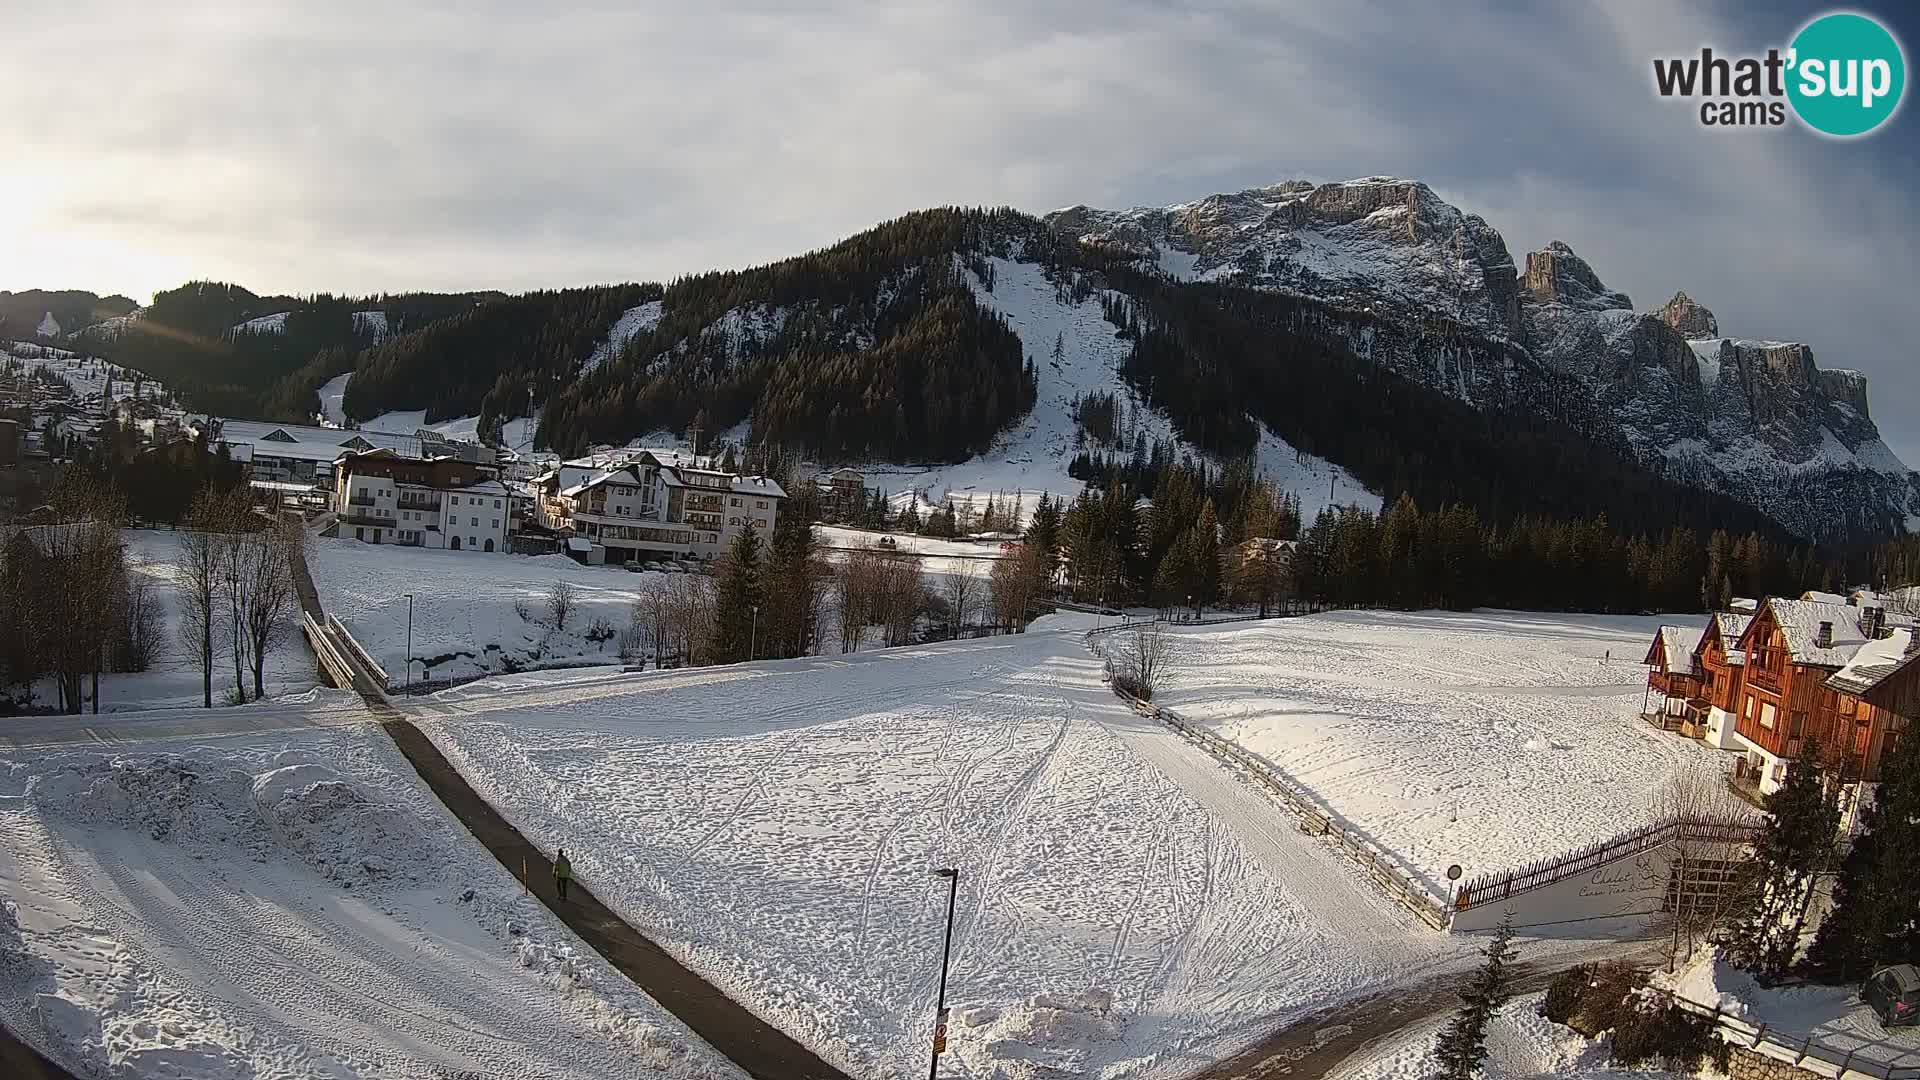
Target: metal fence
1801,1051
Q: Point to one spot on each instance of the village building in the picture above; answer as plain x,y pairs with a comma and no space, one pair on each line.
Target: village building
1796,652
1721,667
381,497
1672,675
653,504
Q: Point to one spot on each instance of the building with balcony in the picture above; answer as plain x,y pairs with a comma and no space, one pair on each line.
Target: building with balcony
654,504
1825,670
381,497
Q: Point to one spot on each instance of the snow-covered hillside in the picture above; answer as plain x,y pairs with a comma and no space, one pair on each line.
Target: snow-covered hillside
275,323
1443,736
90,377
291,907
634,320
776,826
1033,456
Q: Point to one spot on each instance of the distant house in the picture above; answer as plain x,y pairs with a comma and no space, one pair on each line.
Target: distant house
653,504
1809,665
844,495
384,498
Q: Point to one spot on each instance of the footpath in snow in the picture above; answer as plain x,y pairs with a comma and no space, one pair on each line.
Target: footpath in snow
290,905
776,826
1487,739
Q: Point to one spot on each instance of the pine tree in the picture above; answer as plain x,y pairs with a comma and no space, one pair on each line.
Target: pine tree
790,591
1463,1045
737,599
1802,819
1876,913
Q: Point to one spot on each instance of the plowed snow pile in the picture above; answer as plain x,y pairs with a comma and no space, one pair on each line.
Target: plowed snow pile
291,907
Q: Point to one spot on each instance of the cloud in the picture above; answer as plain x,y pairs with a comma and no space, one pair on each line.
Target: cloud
362,147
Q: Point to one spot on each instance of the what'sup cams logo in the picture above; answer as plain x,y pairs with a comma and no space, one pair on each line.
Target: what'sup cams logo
1843,75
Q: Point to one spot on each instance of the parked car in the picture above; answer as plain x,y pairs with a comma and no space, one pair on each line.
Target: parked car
887,542
1894,994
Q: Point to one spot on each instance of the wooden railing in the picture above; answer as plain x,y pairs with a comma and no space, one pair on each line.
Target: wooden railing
1493,888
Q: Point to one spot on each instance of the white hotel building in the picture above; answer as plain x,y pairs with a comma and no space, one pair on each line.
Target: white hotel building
653,504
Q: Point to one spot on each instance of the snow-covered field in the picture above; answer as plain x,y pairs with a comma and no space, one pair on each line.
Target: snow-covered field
174,680
1521,1045
466,618
1487,739
290,906
776,825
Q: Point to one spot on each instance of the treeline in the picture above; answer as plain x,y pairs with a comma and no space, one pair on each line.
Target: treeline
1190,542
483,360
874,347
161,482
1225,361
21,312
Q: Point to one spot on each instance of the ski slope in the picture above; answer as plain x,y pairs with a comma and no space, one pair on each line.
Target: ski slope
1033,457
1486,738
775,826
284,906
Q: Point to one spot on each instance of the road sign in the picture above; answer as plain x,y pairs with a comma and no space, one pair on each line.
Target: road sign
1453,872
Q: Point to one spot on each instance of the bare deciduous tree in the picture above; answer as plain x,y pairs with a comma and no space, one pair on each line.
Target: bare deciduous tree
561,600
962,586
200,586
268,601
1703,876
142,622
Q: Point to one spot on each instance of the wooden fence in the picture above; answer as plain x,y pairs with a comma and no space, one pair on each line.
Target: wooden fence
1493,888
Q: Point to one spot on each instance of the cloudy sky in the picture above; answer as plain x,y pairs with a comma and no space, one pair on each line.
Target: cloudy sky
373,147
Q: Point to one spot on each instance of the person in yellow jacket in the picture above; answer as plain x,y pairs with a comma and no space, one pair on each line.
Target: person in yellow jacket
562,873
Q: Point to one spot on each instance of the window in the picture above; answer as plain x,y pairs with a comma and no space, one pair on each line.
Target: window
736,502
453,500
470,541
760,504
1766,717
496,504
496,523
475,522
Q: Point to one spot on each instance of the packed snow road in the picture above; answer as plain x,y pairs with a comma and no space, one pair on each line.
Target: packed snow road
1122,910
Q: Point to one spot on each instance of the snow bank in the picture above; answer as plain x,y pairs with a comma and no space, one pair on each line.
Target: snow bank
1834,1016
1043,1036
1521,1045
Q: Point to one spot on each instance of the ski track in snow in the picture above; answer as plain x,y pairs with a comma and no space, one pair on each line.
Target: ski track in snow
291,906
776,826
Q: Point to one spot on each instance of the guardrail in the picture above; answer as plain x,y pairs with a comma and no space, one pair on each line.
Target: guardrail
1796,1050
360,653
332,662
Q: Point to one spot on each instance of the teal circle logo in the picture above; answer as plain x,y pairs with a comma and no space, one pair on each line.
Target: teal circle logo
1847,74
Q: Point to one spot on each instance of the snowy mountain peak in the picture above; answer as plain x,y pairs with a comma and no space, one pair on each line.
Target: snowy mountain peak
1686,315
1556,275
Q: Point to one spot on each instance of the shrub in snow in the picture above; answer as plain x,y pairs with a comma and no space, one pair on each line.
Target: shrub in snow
1652,1030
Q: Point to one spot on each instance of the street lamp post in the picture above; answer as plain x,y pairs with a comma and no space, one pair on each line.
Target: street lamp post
753,641
409,639
946,953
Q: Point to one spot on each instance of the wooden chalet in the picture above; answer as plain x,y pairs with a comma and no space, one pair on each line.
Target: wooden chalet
1672,675
1793,689
1721,667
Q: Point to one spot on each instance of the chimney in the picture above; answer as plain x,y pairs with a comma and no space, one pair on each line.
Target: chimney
1824,639
1913,642
1873,622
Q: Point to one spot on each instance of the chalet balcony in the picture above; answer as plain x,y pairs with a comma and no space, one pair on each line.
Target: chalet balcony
360,500
1762,679
419,502
368,517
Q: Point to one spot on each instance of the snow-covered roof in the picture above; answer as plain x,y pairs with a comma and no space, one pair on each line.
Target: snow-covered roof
579,543
1823,597
1732,628
1799,622
1742,603
759,486
1676,643
1874,663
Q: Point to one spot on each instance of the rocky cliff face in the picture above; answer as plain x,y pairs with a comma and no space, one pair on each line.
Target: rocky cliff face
1758,420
